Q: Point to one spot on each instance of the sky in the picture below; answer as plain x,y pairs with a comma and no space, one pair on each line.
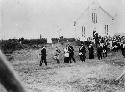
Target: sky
30,18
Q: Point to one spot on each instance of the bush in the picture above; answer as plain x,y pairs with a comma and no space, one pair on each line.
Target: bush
8,46
55,40
34,41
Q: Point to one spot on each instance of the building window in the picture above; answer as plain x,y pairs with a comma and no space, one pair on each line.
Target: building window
94,18
83,31
106,29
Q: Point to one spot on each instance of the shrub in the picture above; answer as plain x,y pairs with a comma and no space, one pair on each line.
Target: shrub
8,46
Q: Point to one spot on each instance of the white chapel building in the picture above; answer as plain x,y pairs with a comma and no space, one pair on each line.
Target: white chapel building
94,18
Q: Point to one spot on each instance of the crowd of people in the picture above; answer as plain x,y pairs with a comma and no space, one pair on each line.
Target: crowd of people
101,47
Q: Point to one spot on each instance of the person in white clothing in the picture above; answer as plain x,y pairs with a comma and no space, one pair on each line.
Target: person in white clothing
66,55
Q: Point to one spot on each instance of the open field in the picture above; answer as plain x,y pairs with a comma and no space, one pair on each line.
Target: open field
90,76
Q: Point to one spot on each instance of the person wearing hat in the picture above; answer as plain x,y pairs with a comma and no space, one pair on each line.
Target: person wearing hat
99,51
71,53
123,49
43,56
121,46
91,51
66,55
105,49
56,54
82,51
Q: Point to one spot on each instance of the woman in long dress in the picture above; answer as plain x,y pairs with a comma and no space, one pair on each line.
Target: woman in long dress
82,51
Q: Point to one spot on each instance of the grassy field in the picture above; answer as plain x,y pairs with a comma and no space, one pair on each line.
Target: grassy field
90,76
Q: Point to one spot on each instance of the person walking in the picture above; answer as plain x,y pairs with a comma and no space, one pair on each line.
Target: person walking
82,51
66,55
105,49
91,51
71,53
56,54
99,51
123,50
43,56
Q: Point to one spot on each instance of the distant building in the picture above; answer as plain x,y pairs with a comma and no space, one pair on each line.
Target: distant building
94,18
49,40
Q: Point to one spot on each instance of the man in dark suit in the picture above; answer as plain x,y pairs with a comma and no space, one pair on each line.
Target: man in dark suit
91,51
43,56
71,53
123,49
99,51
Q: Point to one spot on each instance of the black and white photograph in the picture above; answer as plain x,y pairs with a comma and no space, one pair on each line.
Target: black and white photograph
62,45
